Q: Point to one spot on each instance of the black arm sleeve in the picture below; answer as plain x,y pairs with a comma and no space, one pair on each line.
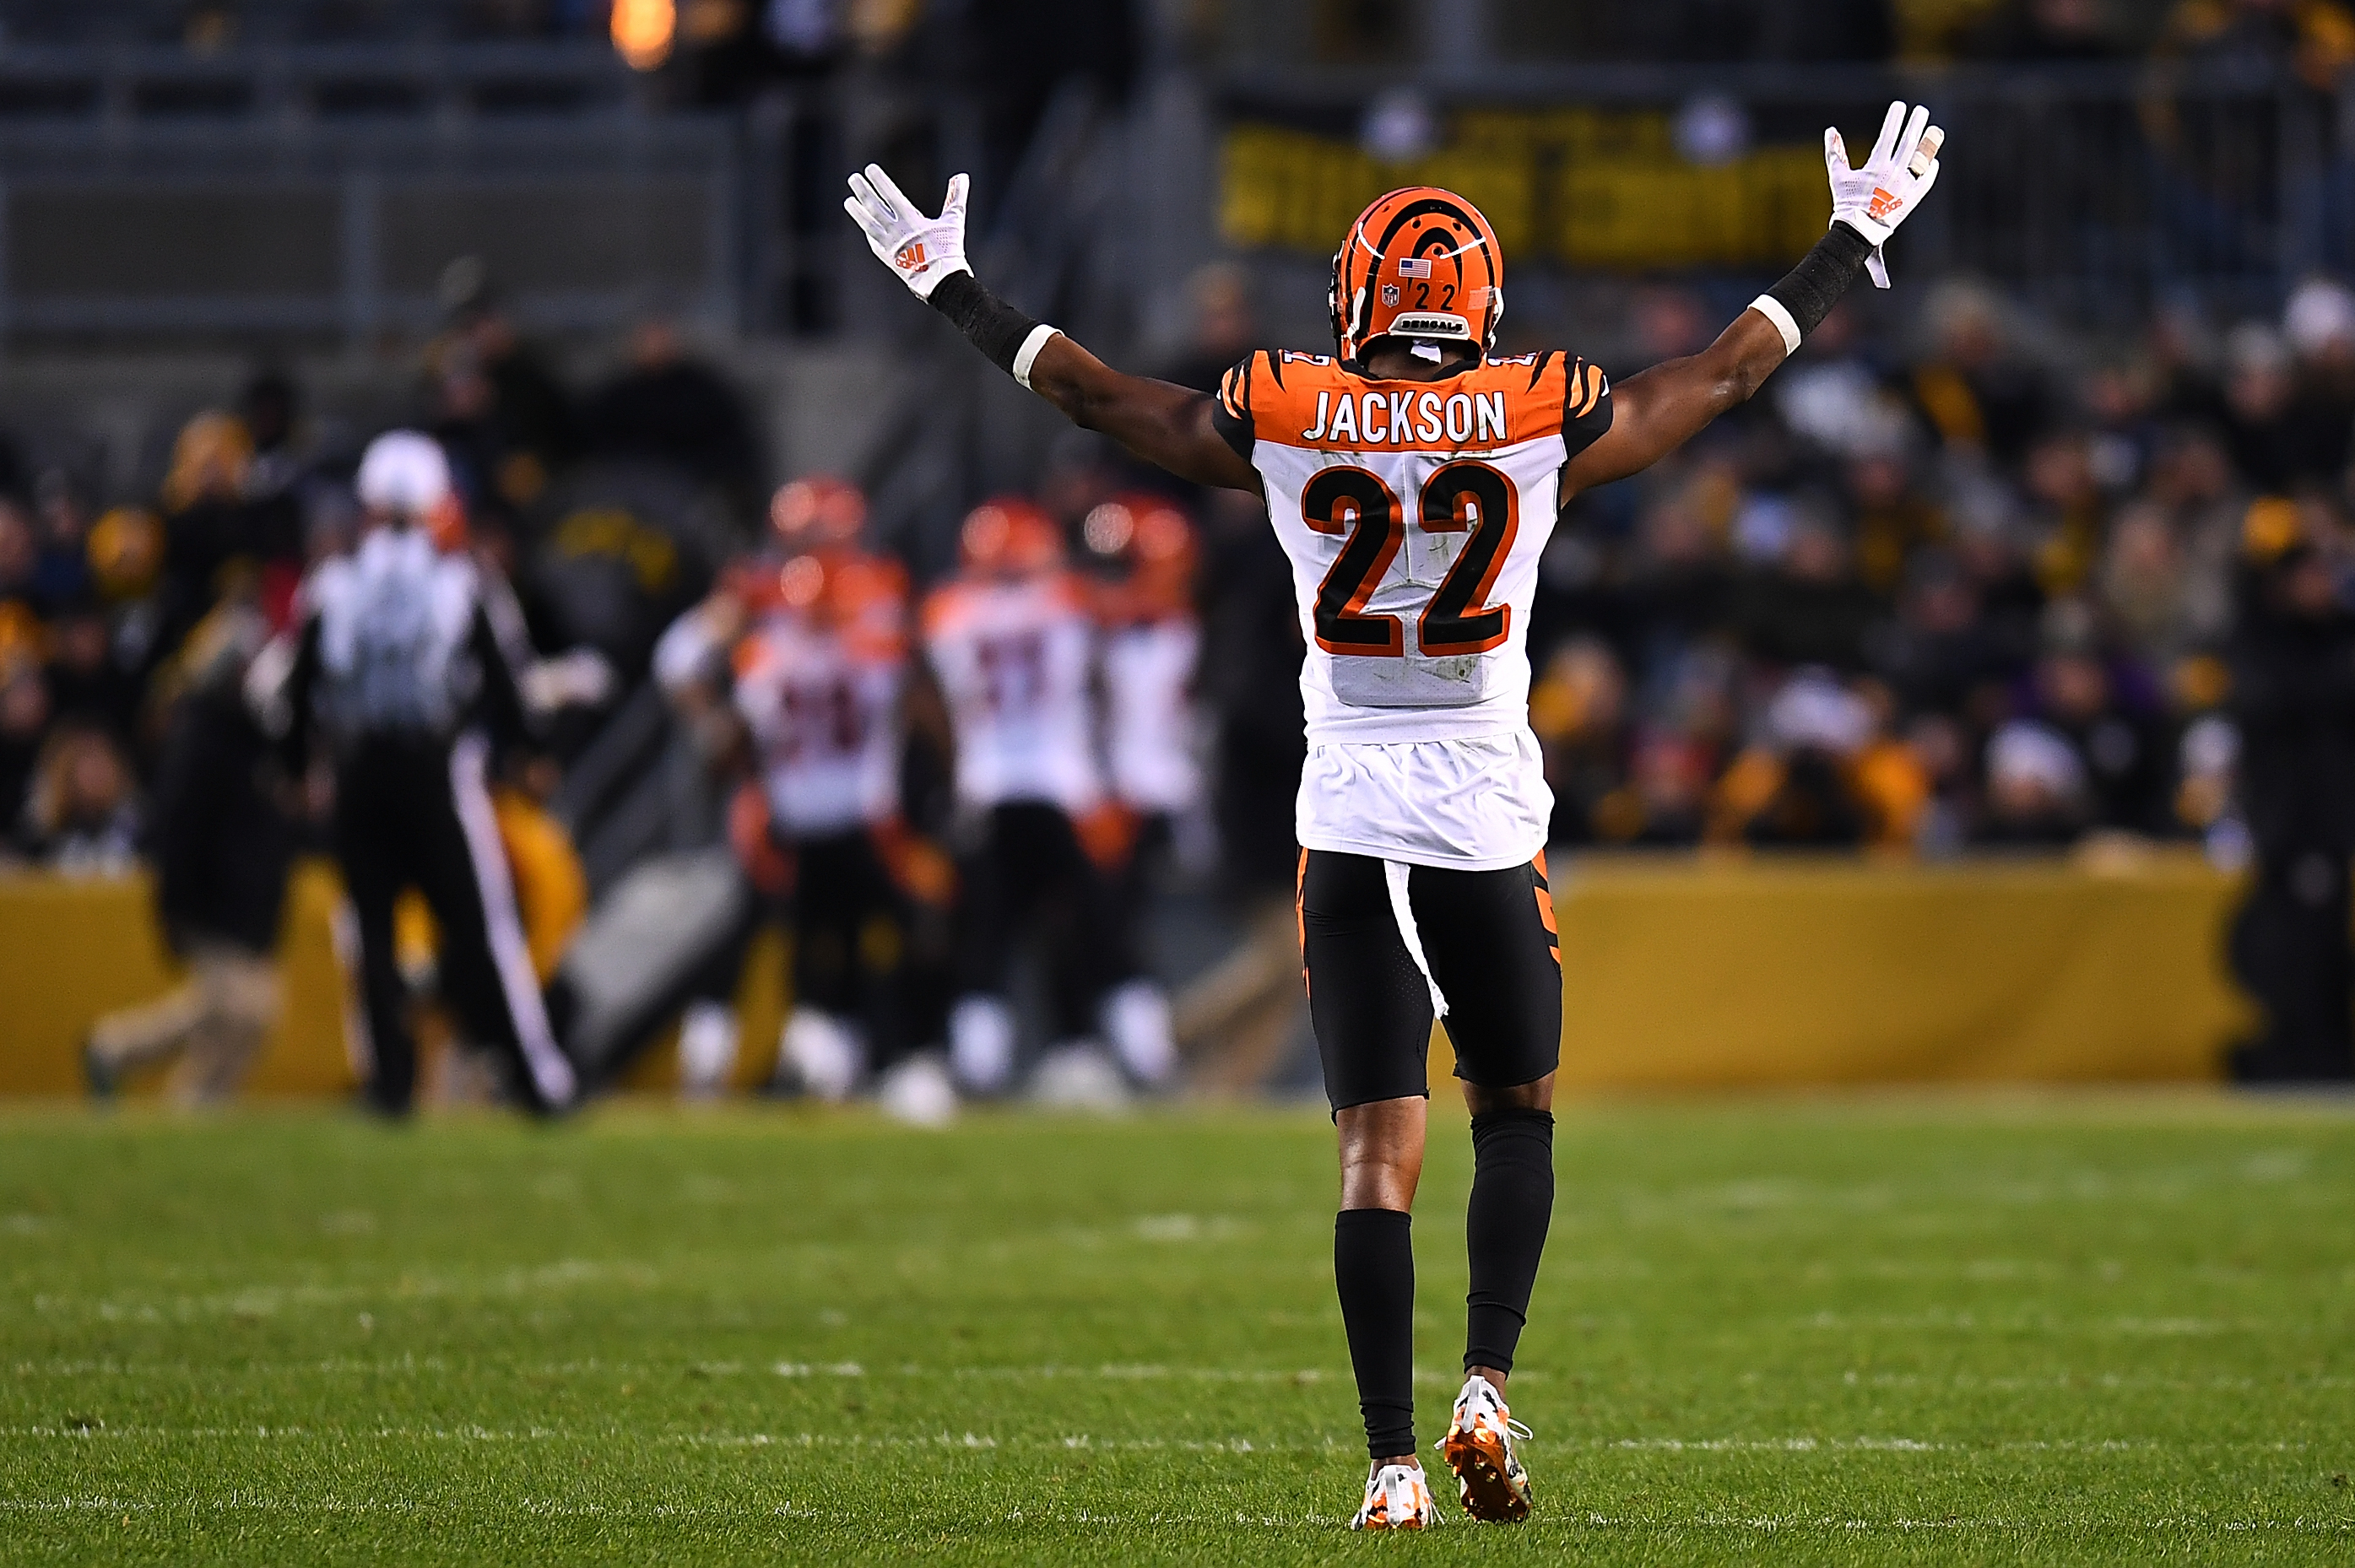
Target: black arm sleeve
295,745
1810,289
989,324
500,704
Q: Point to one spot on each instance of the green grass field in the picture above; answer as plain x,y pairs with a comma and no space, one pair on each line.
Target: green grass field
2108,1329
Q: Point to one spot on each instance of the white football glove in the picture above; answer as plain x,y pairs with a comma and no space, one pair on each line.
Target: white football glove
921,249
1873,200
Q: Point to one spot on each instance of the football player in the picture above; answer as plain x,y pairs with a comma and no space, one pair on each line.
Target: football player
1150,640
811,639
1011,640
1414,477
818,684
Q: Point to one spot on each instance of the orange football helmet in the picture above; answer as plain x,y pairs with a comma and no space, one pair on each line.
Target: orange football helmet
1151,538
1418,262
810,514
836,586
1010,537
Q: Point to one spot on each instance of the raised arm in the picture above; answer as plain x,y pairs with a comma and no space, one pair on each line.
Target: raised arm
1165,425
1660,409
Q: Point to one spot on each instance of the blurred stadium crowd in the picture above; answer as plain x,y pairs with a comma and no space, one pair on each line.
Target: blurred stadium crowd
1934,590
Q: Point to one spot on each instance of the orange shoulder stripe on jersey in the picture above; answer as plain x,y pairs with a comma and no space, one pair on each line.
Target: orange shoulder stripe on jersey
943,607
751,657
1068,591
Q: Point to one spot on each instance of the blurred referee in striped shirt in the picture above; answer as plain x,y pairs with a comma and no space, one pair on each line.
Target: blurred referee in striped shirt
399,669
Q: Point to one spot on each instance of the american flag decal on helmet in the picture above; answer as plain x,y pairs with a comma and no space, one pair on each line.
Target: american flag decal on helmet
1414,266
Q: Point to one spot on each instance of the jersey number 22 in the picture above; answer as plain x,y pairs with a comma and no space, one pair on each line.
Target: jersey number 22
1463,498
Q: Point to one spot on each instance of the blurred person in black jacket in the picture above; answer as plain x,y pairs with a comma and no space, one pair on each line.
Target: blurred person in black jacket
215,524
221,847
2104,710
2293,658
1809,607
671,409
503,409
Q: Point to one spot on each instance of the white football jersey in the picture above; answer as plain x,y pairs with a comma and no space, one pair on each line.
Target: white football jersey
1013,658
1149,729
822,702
1414,513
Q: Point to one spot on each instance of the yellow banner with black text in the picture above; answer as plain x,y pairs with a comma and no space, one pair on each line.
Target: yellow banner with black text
1597,189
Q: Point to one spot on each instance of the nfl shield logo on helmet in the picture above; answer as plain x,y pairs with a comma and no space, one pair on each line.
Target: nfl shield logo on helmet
1389,293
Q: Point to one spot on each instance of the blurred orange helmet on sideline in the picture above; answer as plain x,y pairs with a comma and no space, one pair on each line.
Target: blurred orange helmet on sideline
1010,537
821,510
1418,262
1151,538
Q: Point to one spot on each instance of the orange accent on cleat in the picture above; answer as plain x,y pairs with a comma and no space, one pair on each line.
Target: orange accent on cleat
1479,1449
1397,1498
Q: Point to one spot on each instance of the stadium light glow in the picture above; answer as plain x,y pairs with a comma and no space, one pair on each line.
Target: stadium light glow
642,31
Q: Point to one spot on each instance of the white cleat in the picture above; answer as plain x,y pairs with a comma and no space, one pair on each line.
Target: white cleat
1397,1498
707,1051
981,1044
1074,1076
823,1052
1479,1449
918,1093
1137,1022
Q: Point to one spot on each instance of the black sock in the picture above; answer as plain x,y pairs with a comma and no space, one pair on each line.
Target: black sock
1505,1229
1373,1268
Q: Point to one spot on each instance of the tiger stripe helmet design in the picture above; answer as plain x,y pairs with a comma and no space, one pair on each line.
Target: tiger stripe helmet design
1418,262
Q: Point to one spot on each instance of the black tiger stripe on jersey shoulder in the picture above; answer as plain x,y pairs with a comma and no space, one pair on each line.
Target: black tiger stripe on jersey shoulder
1585,404
1583,388
1537,371
1230,410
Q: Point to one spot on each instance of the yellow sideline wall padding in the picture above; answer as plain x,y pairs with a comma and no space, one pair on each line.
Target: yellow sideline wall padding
1677,973
72,949
1684,974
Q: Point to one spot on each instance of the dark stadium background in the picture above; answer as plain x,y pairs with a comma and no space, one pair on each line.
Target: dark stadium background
1913,725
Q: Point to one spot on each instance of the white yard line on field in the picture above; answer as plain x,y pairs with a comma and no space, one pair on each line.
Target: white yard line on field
470,1433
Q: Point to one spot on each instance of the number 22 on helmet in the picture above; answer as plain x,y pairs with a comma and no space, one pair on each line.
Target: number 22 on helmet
1418,262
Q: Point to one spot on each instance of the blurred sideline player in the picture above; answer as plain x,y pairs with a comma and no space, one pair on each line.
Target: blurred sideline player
814,641
819,683
1150,642
1011,641
1414,478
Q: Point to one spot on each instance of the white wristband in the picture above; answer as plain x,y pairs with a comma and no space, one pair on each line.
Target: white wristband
1028,353
1774,311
